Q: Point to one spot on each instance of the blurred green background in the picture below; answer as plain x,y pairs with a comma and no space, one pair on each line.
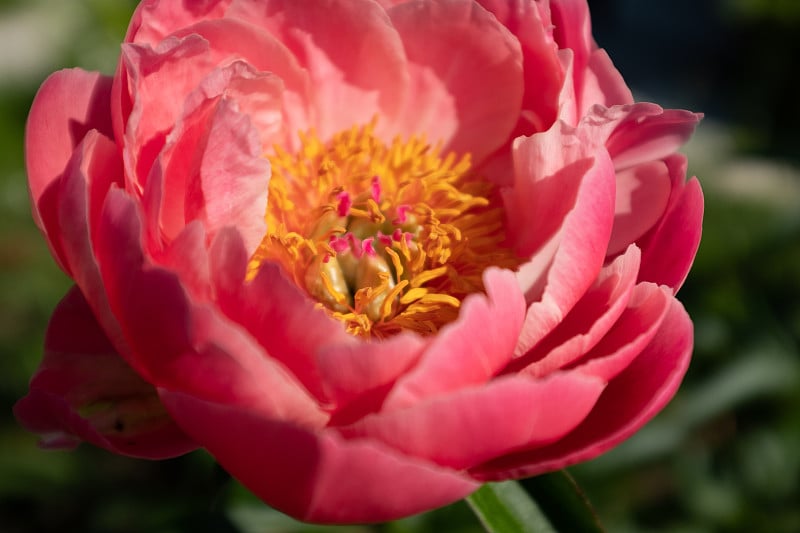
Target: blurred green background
724,456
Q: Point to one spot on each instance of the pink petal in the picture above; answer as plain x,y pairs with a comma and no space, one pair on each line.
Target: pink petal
517,411
631,399
154,21
353,56
158,82
603,84
668,252
181,345
316,477
471,350
275,312
543,73
466,75
212,167
634,330
591,318
84,391
645,132
643,193
568,201
352,368
236,38
95,166
69,104
572,29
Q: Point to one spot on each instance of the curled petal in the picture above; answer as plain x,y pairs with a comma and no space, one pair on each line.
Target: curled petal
83,390
316,476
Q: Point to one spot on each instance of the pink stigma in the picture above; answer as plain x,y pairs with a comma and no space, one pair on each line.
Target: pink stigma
375,188
344,203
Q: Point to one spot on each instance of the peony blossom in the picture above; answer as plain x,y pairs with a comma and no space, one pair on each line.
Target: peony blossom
368,254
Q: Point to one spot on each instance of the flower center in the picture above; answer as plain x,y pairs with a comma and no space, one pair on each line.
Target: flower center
385,237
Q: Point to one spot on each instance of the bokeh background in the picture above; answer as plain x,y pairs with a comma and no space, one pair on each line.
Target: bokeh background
724,456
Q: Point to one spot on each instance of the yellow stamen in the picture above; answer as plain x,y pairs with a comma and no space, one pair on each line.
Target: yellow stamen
387,237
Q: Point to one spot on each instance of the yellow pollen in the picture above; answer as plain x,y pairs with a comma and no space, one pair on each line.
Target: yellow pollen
386,237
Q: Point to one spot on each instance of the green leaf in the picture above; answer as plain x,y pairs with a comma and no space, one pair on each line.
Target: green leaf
558,505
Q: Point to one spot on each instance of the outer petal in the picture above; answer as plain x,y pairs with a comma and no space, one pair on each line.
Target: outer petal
475,424
630,400
316,476
183,346
69,104
154,21
668,252
466,73
587,322
84,391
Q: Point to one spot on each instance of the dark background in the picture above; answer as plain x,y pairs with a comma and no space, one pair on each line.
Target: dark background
724,456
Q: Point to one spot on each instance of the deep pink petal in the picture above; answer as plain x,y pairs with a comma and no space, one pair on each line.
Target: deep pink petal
635,329
95,166
475,424
353,56
83,390
668,252
317,477
275,312
644,132
591,318
631,399
67,106
352,368
471,350
466,75
181,345
643,193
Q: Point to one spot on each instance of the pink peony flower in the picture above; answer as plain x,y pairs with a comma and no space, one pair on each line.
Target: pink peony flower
368,254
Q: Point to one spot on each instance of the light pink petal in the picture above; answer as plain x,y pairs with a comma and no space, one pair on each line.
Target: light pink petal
275,312
181,345
471,350
603,84
353,56
643,193
212,168
235,38
631,399
634,330
154,21
158,81
69,104
591,318
316,477
83,390
466,75
668,252
476,424
565,206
